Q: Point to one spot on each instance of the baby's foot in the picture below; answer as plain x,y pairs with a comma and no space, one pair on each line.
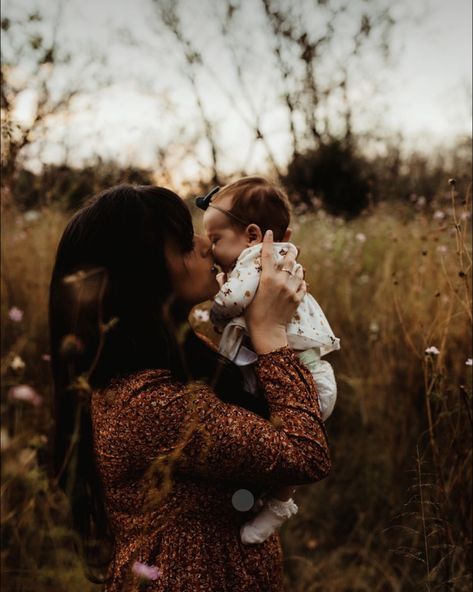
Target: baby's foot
274,513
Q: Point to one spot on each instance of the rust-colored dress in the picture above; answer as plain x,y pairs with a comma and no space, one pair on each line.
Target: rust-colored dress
171,458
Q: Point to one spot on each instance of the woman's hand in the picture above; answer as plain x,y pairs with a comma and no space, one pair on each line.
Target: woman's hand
279,293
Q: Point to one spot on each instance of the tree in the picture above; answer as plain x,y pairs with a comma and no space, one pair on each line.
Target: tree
315,55
40,81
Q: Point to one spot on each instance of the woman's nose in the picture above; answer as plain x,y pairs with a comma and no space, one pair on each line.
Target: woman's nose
206,247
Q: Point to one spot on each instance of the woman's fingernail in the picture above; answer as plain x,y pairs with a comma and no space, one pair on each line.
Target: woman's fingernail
269,233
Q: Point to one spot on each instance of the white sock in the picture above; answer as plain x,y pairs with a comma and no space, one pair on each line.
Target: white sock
274,513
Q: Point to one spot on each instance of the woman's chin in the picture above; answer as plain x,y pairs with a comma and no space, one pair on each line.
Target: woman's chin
209,294
214,289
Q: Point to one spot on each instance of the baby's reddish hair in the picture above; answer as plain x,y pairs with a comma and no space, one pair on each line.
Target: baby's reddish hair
259,202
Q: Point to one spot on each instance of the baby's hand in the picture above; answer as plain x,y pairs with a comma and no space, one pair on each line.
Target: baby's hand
221,278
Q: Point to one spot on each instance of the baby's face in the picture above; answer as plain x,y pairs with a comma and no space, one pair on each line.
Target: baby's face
228,241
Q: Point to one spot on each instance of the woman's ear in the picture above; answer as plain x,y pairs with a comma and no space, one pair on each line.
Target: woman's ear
253,234
287,235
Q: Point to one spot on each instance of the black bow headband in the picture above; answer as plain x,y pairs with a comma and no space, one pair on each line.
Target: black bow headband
203,202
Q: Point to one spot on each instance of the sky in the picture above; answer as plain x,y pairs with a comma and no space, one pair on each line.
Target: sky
430,85
425,93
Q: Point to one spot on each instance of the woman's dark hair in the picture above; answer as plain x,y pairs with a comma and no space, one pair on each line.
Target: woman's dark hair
109,293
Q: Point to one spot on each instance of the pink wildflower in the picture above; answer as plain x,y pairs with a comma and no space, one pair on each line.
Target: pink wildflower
24,392
15,314
147,572
46,357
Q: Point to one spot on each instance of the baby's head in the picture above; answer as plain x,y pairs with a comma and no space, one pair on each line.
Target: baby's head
239,215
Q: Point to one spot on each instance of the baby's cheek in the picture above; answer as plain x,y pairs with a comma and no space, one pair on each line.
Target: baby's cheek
221,254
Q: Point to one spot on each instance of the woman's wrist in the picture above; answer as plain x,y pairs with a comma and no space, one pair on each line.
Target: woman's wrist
265,341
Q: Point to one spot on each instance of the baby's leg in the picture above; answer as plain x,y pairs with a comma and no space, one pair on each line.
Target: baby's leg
283,493
278,508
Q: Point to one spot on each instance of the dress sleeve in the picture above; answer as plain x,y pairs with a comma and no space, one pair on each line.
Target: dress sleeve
200,435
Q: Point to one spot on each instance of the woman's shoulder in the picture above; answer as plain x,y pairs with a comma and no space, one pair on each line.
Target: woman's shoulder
122,390
141,378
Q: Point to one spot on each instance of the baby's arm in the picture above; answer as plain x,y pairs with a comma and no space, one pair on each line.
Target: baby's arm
235,294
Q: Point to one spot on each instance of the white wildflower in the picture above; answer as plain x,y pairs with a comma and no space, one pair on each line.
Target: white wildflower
31,215
360,237
17,363
374,327
201,315
432,350
469,362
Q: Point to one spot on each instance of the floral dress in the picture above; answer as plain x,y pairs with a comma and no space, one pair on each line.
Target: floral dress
176,463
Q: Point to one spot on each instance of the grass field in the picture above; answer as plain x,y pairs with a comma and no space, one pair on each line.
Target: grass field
395,514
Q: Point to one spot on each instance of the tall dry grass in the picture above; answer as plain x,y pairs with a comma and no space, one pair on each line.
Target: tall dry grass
395,514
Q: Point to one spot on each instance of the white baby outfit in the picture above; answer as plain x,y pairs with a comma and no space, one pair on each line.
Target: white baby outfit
308,332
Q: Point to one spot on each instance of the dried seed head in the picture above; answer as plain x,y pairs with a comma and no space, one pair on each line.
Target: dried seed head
71,345
452,182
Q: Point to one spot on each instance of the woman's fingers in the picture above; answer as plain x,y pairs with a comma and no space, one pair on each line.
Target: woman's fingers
293,271
289,262
298,284
299,271
267,254
301,291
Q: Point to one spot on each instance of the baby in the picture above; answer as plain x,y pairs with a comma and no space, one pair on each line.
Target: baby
235,220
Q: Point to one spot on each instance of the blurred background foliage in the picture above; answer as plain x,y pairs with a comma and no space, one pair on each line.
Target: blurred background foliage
384,236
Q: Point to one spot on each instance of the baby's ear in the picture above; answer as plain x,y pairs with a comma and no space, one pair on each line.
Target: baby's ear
287,235
253,234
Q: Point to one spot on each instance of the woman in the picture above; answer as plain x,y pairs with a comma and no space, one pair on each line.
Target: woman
153,462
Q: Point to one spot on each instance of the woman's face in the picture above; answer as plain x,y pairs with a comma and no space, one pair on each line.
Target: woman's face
193,274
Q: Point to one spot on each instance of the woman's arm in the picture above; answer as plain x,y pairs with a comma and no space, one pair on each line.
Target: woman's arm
192,429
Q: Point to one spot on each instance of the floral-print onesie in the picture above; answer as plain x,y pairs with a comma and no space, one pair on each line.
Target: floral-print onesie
308,332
